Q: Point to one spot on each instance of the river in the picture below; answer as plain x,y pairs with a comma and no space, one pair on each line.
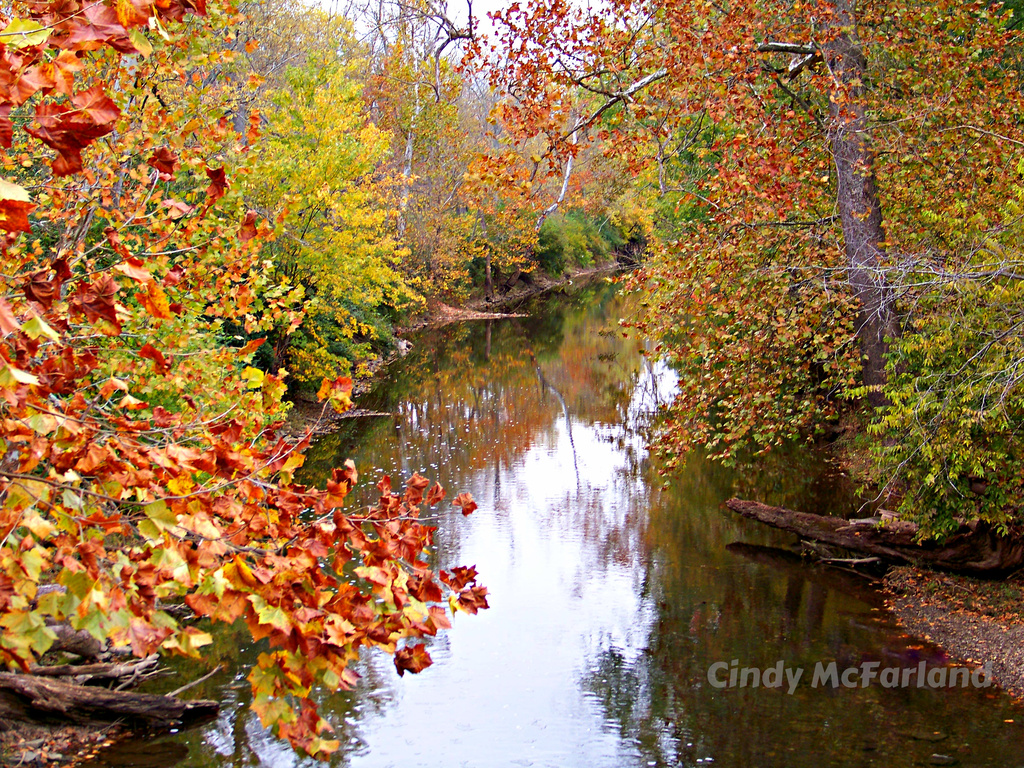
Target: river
613,589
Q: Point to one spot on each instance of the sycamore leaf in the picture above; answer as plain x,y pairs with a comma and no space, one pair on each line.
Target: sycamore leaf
337,392
15,205
37,327
465,502
253,377
412,658
21,33
154,300
8,322
161,515
10,377
141,42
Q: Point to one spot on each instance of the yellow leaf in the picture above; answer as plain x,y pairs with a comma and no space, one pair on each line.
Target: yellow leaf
21,33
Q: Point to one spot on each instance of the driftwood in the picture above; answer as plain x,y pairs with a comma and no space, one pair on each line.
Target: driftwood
974,549
78,642
35,699
117,675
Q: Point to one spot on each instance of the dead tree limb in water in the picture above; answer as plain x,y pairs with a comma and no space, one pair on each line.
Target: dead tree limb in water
38,699
974,549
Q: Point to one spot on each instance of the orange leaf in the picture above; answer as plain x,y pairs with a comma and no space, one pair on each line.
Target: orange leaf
155,301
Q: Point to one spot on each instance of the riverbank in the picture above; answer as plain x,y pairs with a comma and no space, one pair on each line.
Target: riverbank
41,747
974,620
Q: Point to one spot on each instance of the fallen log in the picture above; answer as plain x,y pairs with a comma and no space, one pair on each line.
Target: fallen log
78,642
33,699
974,549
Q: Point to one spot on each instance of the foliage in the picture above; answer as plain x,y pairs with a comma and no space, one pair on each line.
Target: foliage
955,390
315,174
823,173
574,239
141,465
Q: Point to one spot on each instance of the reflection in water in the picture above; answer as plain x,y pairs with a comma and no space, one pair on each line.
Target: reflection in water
612,590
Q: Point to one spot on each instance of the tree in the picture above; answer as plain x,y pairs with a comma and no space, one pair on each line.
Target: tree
141,463
317,173
830,174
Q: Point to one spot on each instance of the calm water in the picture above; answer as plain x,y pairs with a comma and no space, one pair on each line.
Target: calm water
612,590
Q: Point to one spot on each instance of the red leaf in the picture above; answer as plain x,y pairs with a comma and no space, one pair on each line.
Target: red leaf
98,24
69,131
6,126
14,215
150,352
95,105
174,276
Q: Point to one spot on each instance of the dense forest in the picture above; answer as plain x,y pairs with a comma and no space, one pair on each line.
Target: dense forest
210,210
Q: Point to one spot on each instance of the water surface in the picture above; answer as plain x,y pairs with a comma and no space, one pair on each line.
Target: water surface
613,588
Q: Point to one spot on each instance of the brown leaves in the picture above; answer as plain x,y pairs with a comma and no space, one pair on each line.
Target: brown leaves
248,229
218,185
165,161
412,658
465,502
97,301
42,288
435,495
149,352
166,456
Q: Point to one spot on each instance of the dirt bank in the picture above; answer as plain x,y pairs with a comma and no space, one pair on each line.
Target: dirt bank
41,747
503,305
975,620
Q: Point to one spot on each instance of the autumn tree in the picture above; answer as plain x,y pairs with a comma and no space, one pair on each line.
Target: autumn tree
142,465
318,172
834,175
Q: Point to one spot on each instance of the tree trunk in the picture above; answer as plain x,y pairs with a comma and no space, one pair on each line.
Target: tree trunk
975,550
857,200
32,699
488,279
